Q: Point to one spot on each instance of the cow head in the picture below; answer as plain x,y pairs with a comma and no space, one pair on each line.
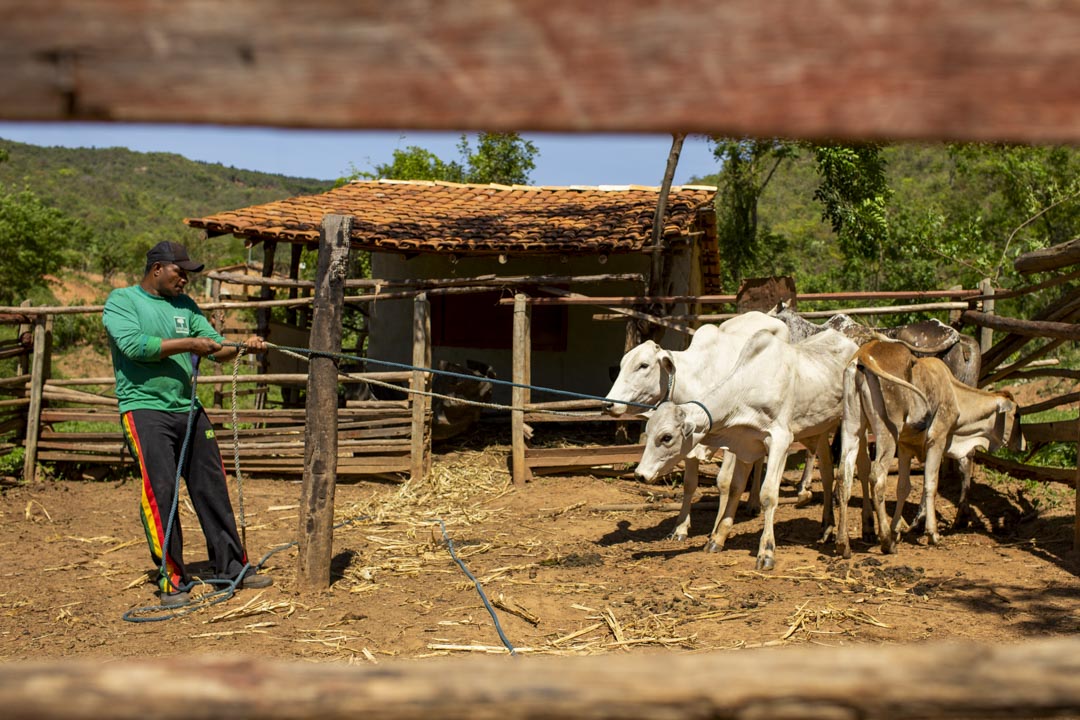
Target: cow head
670,435
645,375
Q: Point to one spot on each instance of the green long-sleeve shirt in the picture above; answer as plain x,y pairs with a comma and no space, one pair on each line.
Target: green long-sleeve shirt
137,322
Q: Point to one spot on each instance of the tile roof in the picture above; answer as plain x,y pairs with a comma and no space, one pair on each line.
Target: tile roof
420,216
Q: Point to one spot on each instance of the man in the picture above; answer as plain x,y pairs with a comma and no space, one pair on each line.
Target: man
156,334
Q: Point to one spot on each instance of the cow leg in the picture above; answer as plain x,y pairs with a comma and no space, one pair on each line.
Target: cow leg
903,489
753,504
828,485
690,485
862,460
934,455
779,442
729,502
963,510
804,493
879,475
879,469
852,435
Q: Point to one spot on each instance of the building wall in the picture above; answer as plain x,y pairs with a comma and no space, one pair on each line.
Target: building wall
593,346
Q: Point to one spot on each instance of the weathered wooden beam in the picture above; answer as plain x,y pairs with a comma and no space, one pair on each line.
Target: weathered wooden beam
520,396
40,369
1049,404
428,284
421,381
1054,431
316,533
1027,328
1037,678
1026,472
1051,258
998,70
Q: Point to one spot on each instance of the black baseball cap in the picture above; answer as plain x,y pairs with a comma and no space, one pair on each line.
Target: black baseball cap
167,251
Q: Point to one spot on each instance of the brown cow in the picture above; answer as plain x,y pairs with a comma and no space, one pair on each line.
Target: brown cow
915,406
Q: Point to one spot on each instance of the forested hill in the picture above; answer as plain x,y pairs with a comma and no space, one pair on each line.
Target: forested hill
123,201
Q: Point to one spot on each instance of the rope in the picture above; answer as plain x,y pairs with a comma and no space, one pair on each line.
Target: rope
705,410
476,584
236,453
302,353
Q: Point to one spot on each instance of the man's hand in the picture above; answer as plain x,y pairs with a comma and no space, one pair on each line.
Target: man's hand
203,346
255,344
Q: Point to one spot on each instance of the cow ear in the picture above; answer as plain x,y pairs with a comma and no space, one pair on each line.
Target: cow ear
688,428
666,361
1016,441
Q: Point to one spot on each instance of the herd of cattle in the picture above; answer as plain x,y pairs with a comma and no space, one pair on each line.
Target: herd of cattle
759,382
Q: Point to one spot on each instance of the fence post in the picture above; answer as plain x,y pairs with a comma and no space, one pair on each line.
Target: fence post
522,374
986,335
316,531
40,366
420,450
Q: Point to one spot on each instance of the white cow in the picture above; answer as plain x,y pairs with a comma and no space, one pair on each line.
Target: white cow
916,407
774,394
650,374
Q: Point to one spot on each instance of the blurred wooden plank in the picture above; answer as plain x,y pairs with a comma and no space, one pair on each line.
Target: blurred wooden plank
935,69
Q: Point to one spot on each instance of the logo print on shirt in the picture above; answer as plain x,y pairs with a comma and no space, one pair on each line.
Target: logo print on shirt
181,325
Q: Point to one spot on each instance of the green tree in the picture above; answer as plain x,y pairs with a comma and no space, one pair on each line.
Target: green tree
416,163
503,158
33,242
854,193
747,167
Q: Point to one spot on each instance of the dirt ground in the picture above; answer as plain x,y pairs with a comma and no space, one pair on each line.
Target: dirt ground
575,565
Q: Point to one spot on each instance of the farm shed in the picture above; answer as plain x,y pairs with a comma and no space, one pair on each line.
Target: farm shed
436,231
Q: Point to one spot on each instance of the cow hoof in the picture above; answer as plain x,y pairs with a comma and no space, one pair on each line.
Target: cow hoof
713,547
843,551
888,548
804,499
680,537
869,537
765,563
933,538
961,522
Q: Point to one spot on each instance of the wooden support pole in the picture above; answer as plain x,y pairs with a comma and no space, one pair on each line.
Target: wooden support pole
1076,487
420,449
263,315
520,396
40,366
320,433
23,362
986,334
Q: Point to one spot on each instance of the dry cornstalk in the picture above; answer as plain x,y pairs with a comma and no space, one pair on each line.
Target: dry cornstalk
515,609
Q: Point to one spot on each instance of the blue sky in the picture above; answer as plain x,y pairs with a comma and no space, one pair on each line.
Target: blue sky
328,154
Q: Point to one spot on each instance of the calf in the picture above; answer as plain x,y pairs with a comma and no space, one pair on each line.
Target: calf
916,407
774,394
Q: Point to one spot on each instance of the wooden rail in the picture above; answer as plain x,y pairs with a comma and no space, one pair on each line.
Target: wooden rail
1035,679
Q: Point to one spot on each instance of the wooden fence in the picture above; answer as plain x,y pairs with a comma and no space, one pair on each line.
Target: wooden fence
376,437
1036,679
